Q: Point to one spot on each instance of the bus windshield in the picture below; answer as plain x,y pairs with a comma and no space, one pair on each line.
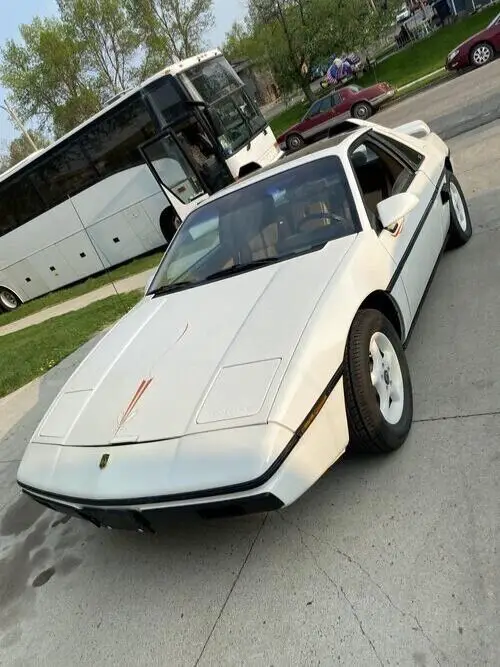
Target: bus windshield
234,116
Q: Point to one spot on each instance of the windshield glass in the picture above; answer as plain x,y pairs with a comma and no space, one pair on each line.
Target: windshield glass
234,116
294,212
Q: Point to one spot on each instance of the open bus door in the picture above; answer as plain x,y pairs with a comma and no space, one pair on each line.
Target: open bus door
188,169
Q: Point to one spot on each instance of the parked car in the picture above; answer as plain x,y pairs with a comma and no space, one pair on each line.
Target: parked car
271,337
329,110
478,50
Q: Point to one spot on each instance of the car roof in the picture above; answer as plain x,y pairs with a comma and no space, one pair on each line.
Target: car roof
348,132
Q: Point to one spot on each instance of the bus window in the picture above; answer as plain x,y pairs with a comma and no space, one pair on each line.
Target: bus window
112,141
19,203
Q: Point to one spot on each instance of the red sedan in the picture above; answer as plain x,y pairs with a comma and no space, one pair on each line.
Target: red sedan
478,49
333,108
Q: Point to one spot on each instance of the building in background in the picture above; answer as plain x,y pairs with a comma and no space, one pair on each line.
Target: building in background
260,83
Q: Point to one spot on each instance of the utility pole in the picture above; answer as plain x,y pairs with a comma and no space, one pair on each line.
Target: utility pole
6,107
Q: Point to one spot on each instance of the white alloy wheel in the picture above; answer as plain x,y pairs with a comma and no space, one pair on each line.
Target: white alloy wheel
481,55
386,377
458,206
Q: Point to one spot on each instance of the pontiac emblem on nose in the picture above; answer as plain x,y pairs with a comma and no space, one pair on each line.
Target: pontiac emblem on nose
104,461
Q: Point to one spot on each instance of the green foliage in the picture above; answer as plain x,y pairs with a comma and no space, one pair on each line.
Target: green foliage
289,36
170,28
61,70
20,147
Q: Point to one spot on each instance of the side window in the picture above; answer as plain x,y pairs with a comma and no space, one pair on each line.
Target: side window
63,173
412,156
337,99
314,110
112,141
379,175
325,105
20,203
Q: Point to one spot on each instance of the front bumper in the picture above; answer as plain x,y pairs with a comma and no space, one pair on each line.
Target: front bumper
316,444
382,99
153,519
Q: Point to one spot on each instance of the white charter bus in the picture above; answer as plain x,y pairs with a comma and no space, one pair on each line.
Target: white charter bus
118,185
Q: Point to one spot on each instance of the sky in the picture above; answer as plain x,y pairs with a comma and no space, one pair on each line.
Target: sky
14,13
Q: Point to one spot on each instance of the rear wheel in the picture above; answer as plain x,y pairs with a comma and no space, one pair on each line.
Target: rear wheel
377,385
8,300
460,222
294,142
362,110
481,54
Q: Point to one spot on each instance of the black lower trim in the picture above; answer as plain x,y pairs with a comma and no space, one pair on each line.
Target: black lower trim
154,519
207,493
426,291
416,234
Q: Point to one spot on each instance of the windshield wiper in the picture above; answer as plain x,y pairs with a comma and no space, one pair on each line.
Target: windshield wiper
172,287
241,268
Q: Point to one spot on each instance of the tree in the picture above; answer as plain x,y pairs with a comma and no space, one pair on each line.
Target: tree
20,147
47,76
171,29
111,43
293,34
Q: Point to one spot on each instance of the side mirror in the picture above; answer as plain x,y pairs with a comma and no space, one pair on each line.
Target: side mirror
392,211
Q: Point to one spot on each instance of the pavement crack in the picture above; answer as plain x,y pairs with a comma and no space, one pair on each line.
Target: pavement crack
491,413
230,592
353,561
337,587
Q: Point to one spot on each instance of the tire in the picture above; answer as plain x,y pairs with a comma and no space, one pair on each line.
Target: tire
8,300
372,428
169,222
294,142
481,55
460,221
362,111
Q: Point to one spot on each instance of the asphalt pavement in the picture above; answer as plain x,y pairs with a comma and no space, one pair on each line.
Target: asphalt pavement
391,561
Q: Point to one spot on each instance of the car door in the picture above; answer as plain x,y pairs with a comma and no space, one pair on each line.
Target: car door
388,168
319,118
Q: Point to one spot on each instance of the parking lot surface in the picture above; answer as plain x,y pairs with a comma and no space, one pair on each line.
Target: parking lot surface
388,561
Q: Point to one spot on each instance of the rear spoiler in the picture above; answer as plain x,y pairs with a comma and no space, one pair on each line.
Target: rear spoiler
417,129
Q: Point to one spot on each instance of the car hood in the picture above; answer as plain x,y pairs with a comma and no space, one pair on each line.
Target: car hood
206,358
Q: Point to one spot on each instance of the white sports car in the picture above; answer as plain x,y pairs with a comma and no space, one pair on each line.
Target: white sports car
271,336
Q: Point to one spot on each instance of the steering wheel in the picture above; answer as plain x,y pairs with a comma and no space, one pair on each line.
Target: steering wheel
319,216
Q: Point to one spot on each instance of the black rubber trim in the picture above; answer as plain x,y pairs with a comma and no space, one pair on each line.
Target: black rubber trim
426,291
149,520
416,234
206,493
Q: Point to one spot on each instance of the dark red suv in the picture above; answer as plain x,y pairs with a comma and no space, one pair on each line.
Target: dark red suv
351,101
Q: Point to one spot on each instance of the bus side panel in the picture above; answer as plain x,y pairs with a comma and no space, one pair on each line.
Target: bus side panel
80,254
114,194
115,240
52,267
143,228
154,207
24,280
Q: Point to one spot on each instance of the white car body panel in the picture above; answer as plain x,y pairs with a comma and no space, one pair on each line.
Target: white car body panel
233,389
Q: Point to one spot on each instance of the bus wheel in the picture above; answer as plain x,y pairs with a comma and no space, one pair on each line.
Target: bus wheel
169,222
8,300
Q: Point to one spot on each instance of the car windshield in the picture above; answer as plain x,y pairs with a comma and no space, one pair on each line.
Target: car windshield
296,211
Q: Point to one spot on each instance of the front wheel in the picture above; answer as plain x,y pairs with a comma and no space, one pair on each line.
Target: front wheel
377,385
8,300
460,222
481,55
